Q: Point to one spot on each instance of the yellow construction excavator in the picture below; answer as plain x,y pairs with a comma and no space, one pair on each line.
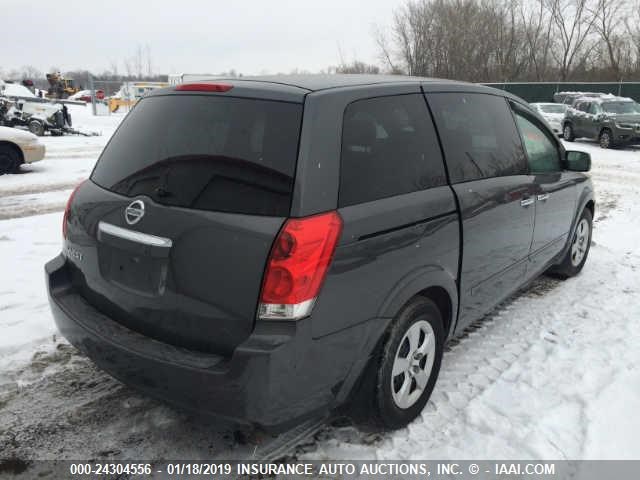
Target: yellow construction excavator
60,87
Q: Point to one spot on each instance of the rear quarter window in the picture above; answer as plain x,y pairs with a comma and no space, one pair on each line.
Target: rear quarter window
389,147
206,152
479,136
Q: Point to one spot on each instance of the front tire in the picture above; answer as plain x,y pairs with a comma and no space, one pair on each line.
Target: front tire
567,133
605,139
409,364
576,256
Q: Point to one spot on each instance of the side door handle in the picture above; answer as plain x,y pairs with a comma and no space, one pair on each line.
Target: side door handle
542,197
525,202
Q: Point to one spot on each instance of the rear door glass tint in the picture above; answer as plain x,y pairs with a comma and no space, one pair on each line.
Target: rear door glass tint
206,152
479,136
389,147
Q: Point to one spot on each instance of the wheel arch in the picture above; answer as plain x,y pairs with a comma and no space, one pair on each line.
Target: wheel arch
432,282
608,129
441,298
585,201
444,295
591,205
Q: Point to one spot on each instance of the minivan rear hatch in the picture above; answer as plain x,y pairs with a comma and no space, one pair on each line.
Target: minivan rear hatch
176,224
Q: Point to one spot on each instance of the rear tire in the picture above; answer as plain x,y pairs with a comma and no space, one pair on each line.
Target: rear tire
578,251
36,127
9,160
408,365
567,133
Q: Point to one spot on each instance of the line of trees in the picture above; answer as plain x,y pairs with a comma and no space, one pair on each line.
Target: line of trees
515,40
473,40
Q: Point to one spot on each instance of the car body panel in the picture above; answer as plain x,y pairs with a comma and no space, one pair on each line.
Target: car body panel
412,234
497,232
32,149
200,292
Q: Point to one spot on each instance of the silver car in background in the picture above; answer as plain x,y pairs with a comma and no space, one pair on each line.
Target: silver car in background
553,113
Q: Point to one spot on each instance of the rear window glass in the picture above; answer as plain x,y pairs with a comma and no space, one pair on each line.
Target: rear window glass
389,147
206,153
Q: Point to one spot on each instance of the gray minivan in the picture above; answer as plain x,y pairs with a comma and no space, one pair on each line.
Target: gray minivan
265,249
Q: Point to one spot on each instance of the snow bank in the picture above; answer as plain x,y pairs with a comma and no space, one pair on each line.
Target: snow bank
16,90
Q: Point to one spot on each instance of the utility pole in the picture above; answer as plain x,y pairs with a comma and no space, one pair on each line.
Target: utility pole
93,95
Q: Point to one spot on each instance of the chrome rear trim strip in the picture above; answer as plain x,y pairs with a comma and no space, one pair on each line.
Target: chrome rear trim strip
134,236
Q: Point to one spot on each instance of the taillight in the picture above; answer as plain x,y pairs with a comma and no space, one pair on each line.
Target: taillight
297,266
204,87
65,217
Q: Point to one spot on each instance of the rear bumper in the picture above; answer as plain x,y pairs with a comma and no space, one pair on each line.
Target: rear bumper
270,380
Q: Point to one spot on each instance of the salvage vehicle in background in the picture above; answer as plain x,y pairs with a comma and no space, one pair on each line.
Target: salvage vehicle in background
266,249
18,147
553,113
85,95
38,117
613,121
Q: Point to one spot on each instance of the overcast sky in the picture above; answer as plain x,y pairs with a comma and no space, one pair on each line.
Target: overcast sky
196,36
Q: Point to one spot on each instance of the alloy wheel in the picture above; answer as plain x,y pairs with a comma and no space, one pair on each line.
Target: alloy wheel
412,364
580,242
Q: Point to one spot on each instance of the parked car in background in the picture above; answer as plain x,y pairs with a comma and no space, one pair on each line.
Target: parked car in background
553,113
85,95
569,97
269,248
613,121
18,147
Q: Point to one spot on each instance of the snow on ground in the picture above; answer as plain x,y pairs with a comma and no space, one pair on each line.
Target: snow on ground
44,186
553,373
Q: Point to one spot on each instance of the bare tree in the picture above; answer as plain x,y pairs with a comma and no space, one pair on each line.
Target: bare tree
30,72
632,24
573,23
128,67
608,21
138,61
147,51
357,66
536,27
113,68
385,54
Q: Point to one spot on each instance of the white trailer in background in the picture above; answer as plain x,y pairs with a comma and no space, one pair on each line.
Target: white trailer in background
178,78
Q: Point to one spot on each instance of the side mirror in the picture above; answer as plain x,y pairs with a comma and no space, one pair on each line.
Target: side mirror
577,161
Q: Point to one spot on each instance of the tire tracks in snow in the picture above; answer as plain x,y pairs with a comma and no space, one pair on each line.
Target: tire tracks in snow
471,364
61,406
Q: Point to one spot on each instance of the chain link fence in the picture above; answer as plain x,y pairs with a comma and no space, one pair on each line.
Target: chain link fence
102,92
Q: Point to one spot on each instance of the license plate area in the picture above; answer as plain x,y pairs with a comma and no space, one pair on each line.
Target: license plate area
135,272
